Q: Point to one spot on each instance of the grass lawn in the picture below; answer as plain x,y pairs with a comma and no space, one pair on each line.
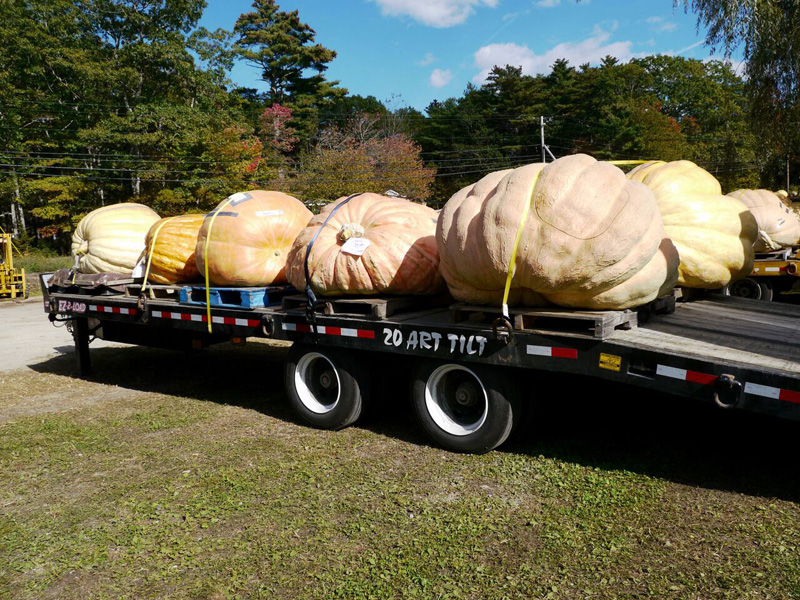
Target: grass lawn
185,476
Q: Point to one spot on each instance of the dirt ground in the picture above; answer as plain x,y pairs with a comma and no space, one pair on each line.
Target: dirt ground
28,337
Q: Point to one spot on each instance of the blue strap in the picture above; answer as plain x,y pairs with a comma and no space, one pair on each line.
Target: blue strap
311,299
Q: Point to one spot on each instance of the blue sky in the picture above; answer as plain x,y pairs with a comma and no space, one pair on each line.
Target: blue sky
414,51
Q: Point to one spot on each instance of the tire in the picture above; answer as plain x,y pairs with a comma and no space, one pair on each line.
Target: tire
767,292
327,388
465,408
744,288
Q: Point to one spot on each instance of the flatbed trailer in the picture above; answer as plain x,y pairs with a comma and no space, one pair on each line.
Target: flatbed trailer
466,365
774,274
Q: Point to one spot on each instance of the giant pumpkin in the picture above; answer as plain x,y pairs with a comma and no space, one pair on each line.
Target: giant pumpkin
591,238
778,225
372,244
170,247
714,234
111,239
248,236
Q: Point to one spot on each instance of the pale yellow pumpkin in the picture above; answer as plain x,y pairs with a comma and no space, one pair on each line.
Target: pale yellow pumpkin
778,225
250,235
714,234
591,238
111,239
373,244
170,247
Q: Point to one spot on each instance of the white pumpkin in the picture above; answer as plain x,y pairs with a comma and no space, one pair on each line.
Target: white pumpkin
778,225
111,239
591,238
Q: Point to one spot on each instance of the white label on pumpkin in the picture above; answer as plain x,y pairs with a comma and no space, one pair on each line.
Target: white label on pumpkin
238,197
356,246
268,213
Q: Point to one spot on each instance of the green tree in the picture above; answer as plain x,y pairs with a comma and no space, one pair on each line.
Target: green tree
341,163
104,100
766,31
283,47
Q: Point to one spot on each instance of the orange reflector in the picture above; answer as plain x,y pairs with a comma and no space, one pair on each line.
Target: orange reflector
238,341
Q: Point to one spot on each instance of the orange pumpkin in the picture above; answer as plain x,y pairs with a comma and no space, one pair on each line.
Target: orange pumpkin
249,235
371,245
170,246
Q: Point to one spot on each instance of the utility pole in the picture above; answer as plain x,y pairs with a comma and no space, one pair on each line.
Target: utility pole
787,174
544,146
541,127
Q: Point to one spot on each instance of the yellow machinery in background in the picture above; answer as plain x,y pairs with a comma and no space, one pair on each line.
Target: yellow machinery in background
12,281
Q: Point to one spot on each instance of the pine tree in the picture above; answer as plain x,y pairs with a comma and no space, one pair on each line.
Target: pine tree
283,48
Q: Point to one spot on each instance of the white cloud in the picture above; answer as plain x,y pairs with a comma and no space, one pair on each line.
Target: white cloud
547,3
434,13
590,50
691,47
440,78
429,58
659,24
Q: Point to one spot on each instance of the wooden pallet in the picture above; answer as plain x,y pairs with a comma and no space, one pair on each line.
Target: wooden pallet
562,321
153,291
379,307
235,297
659,306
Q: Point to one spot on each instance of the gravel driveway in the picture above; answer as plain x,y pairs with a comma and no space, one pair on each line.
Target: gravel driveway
27,337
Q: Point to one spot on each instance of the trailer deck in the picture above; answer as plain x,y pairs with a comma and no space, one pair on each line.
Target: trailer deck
737,353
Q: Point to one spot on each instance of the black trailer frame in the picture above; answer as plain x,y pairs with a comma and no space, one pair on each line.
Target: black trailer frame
738,354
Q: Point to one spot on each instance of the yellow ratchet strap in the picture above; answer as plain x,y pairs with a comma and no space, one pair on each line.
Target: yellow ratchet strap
512,267
620,163
150,254
205,254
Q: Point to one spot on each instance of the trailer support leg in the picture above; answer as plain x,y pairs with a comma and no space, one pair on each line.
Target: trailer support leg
80,332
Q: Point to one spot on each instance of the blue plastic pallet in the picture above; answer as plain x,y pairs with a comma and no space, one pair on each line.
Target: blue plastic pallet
235,297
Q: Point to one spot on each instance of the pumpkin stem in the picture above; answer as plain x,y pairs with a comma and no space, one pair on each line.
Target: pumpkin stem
350,230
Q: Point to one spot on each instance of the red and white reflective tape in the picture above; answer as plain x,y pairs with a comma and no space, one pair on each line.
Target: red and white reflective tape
117,310
768,391
552,351
178,316
756,389
685,375
328,330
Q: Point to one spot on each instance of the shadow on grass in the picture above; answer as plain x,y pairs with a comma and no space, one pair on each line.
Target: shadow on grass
615,427
250,376
581,421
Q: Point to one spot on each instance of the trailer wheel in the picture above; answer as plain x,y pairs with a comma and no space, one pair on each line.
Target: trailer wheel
746,288
464,408
767,292
327,388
